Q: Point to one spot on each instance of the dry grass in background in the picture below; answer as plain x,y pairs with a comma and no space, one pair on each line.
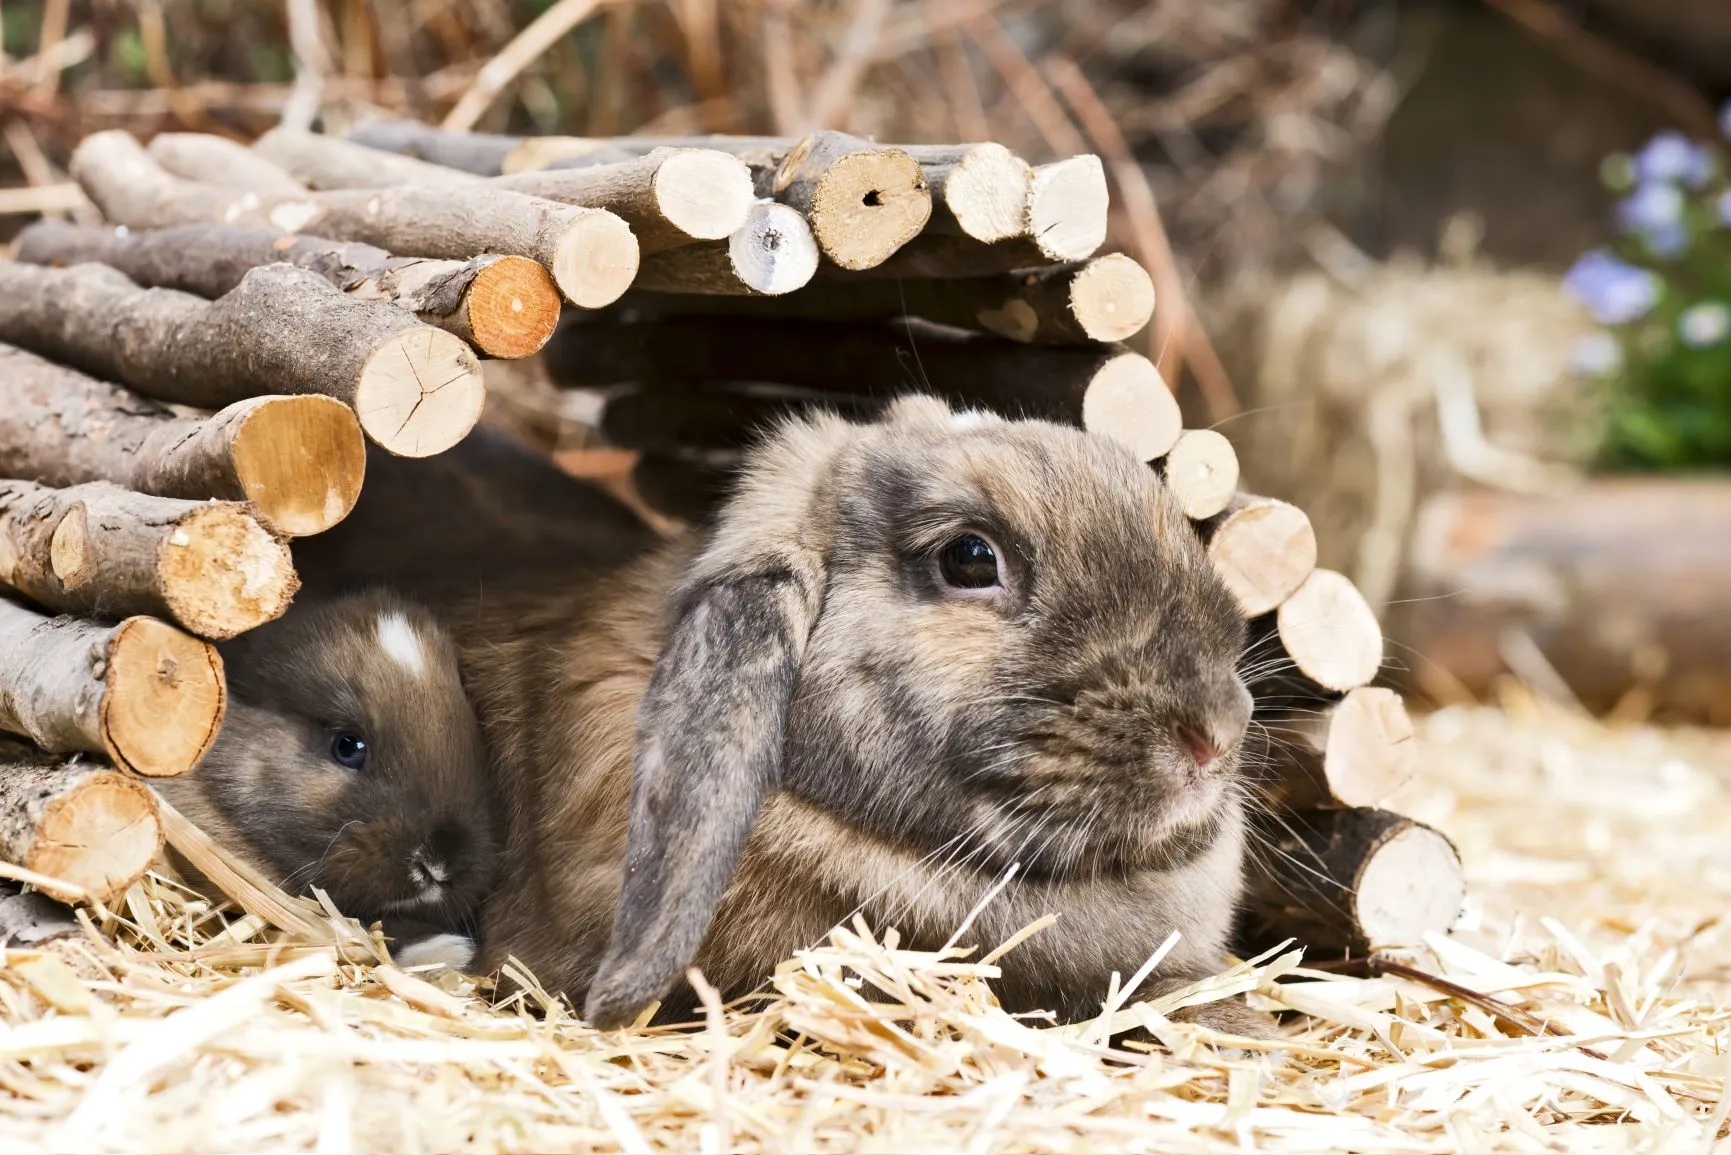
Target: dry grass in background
1580,1007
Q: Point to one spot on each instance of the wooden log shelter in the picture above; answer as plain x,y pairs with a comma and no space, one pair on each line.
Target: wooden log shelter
187,387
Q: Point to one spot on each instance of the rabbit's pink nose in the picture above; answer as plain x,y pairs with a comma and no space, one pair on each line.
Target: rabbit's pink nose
1202,750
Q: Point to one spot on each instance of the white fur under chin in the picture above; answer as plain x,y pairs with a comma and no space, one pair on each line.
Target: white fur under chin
397,638
455,951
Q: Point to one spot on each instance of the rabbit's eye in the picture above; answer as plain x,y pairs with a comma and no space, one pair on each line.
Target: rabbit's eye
969,563
349,751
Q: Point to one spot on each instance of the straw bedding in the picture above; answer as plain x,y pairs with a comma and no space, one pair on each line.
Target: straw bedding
1580,1007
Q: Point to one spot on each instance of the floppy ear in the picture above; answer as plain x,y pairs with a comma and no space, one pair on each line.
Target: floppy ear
710,727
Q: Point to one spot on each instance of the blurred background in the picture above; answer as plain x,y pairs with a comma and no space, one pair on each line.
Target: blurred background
1454,277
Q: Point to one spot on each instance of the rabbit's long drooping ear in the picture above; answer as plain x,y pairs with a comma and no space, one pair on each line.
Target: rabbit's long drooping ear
710,728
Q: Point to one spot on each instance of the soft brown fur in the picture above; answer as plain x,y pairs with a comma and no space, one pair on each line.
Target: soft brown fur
802,676
270,790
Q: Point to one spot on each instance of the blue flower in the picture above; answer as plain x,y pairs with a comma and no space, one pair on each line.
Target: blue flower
1654,205
1595,355
1671,156
1704,324
1725,208
1668,241
1614,291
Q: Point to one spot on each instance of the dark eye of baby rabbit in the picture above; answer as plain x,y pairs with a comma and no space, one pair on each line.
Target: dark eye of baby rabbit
349,751
969,563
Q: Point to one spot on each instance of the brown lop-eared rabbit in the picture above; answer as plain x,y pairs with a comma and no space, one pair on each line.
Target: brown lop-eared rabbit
908,655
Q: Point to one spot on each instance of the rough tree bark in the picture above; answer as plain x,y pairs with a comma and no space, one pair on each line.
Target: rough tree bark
298,461
416,390
590,253
217,160
100,550
504,306
1352,881
146,695
79,824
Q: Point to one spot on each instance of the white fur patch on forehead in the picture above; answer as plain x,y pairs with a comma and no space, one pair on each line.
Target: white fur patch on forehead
397,638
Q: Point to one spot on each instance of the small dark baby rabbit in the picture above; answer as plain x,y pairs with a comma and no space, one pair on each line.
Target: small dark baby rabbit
351,762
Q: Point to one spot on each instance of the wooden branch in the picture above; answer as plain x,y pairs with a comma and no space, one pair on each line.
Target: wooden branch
504,306
863,201
297,461
416,390
1263,549
146,695
217,160
670,197
978,190
684,419
1330,632
80,824
590,253
1354,881
772,253
1357,753
318,161
477,152
98,549
1201,470
1108,390
1104,300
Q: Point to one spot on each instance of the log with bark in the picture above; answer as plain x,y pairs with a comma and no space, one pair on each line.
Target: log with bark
100,550
1117,393
86,831
1103,300
1329,633
1262,548
1201,470
1357,752
297,461
863,200
143,693
481,153
772,253
1352,881
978,190
1619,587
416,390
670,196
504,306
590,253
217,160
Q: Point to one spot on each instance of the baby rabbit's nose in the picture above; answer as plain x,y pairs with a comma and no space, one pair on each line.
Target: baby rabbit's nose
1201,748
432,866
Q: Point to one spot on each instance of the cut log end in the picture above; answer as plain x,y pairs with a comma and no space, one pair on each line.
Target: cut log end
704,193
222,574
595,260
867,205
1112,298
1410,885
165,698
513,307
987,193
1067,208
299,461
1330,632
1369,752
98,836
420,392
1202,472
1263,552
68,549
775,252
1129,402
